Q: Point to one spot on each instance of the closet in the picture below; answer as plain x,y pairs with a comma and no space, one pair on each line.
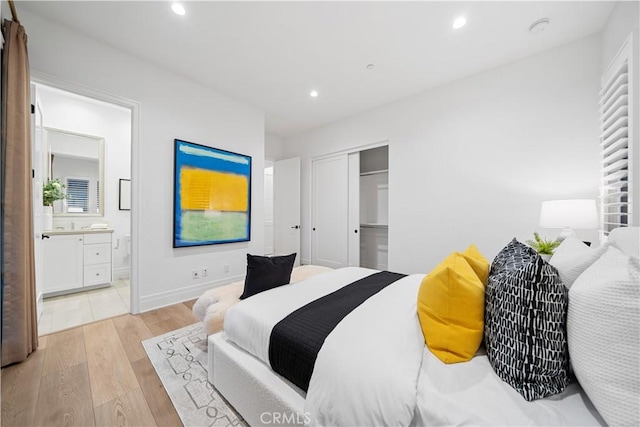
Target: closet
349,209
374,208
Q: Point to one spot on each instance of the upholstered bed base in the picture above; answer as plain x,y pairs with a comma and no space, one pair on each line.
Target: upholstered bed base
260,396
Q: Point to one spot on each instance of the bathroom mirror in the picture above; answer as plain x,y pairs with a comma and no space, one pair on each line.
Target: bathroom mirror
78,161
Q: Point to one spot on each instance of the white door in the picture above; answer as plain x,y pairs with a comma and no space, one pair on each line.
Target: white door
354,210
37,164
329,211
269,238
286,203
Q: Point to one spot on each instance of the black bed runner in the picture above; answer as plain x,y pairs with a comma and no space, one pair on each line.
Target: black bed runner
296,340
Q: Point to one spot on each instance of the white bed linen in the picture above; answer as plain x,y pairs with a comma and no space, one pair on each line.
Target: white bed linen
367,370
249,323
471,393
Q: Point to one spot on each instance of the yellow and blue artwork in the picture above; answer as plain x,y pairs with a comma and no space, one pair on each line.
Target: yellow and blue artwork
212,196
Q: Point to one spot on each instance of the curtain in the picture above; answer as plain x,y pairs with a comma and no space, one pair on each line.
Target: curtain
19,321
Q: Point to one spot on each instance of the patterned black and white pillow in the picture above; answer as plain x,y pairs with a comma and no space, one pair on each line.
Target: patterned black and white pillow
525,322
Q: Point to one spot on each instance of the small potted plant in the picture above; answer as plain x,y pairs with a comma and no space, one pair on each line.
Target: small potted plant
544,247
51,191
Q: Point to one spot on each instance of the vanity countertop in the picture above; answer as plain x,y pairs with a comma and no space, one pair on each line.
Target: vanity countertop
59,232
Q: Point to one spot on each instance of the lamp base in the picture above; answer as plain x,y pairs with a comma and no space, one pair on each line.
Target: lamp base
566,232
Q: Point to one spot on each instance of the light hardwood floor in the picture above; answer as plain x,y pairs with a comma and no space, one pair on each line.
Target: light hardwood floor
94,375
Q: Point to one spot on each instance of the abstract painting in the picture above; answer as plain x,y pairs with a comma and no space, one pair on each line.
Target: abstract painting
212,196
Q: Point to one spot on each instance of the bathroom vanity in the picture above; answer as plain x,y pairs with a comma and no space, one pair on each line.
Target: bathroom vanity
76,260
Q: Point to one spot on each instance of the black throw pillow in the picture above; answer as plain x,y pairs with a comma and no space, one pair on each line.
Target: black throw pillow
264,273
525,322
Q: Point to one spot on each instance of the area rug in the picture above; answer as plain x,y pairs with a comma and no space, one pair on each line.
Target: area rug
180,360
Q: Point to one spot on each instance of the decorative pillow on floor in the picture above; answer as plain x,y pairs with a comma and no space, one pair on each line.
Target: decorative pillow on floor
264,273
525,320
573,257
451,306
604,336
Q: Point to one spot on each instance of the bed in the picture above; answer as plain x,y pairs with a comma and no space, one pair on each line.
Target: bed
373,368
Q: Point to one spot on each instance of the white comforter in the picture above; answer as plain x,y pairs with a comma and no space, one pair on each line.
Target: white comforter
367,370
471,394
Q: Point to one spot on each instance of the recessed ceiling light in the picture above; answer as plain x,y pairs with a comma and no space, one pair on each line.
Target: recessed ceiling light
178,9
459,22
313,94
539,26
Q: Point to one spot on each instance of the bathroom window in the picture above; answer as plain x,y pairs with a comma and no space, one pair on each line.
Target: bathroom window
77,195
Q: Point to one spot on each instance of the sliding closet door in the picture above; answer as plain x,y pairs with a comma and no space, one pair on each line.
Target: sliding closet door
330,211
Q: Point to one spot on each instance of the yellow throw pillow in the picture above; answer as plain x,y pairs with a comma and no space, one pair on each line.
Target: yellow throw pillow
478,262
451,306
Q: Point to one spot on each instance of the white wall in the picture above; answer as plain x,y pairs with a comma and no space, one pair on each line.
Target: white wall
273,147
471,162
622,23
80,115
171,107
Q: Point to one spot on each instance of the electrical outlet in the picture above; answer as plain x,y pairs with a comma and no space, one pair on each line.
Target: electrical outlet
205,272
195,274
226,268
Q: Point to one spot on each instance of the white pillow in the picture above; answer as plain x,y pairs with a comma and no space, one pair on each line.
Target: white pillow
603,326
627,239
573,257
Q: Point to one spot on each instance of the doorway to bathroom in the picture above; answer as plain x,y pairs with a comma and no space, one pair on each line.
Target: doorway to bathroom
82,207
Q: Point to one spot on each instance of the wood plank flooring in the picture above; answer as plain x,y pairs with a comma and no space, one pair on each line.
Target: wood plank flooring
94,375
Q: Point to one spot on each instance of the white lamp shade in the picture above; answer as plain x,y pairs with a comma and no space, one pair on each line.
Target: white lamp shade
576,213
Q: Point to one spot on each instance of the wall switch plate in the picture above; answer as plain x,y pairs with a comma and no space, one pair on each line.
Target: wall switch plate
205,272
195,274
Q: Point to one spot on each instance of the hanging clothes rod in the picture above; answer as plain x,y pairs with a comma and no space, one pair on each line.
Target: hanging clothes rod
14,13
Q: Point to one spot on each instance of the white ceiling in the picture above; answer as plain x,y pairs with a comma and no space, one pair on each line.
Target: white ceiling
272,54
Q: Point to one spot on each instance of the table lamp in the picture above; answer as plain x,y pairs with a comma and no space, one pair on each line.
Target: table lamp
569,214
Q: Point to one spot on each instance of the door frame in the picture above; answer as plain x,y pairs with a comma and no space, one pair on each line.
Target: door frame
309,165
134,106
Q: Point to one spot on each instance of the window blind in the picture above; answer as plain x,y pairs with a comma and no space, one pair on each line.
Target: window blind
615,146
77,195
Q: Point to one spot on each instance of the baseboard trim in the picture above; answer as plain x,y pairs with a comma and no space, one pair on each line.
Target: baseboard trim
305,261
163,299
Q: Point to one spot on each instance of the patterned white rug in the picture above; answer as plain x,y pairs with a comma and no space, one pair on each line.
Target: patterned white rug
180,359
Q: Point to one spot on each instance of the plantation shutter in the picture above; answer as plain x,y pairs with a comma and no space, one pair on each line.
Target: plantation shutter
77,195
615,144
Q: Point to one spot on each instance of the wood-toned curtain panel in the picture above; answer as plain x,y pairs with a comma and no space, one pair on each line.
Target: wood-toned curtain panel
19,321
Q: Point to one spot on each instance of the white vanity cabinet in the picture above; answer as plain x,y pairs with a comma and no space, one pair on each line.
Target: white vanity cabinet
63,262
76,262
97,259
